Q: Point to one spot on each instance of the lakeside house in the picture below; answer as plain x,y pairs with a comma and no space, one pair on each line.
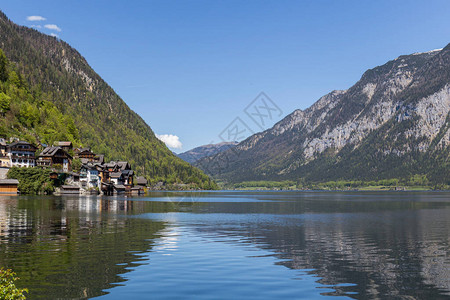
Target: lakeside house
141,185
141,181
9,186
84,153
115,177
22,154
90,176
66,146
52,156
17,154
70,190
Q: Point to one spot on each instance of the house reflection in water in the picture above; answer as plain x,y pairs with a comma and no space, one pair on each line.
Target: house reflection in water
73,239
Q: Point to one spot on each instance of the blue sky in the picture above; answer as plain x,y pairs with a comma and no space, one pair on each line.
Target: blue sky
189,68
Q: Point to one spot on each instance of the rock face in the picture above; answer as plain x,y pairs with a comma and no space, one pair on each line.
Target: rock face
394,122
198,153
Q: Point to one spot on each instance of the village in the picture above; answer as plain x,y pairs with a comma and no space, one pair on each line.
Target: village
83,171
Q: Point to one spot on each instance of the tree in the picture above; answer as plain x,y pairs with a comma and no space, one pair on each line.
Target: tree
3,66
76,165
4,103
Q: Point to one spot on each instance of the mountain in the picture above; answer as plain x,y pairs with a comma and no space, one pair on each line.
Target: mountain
393,123
47,70
193,155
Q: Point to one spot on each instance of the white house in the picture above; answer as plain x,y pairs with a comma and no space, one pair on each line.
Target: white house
89,176
22,154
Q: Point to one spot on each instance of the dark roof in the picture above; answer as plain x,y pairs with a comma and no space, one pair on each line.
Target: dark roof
121,165
84,150
111,164
2,142
115,174
84,160
141,180
124,165
21,143
100,158
51,151
9,181
119,187
128,172
88,166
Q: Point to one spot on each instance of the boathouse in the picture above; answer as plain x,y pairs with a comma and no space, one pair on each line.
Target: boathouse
9,186
70,190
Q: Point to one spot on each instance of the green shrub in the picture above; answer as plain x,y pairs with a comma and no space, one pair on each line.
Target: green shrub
8,289
32,180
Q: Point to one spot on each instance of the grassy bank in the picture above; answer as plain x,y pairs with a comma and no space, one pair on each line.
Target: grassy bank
414,183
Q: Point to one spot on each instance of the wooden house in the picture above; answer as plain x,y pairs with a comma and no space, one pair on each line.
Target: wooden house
70,190
66,146
119,189
137,190
52,156
9,186
141,181
85,153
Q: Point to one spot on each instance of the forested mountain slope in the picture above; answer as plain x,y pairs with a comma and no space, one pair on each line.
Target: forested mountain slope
56,72
393,123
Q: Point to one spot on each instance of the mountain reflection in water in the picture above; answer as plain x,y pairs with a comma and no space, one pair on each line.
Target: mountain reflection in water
358,245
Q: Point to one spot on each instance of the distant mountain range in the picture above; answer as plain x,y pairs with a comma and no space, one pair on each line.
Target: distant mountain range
83,108
393,123
200,152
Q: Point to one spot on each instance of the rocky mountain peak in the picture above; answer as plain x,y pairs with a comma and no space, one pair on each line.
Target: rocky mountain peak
395,114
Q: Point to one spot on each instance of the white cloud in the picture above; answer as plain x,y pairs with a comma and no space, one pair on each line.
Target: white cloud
36,26
52,27
171,141
54,34
36,18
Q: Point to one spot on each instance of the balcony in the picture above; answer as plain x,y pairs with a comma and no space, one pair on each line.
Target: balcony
23,156
20,149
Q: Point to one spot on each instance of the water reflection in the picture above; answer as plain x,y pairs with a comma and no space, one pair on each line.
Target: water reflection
72,247
388,245
359,245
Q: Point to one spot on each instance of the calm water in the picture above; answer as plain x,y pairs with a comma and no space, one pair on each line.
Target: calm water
230,245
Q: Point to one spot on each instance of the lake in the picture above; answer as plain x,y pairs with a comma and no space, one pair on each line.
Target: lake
230,245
